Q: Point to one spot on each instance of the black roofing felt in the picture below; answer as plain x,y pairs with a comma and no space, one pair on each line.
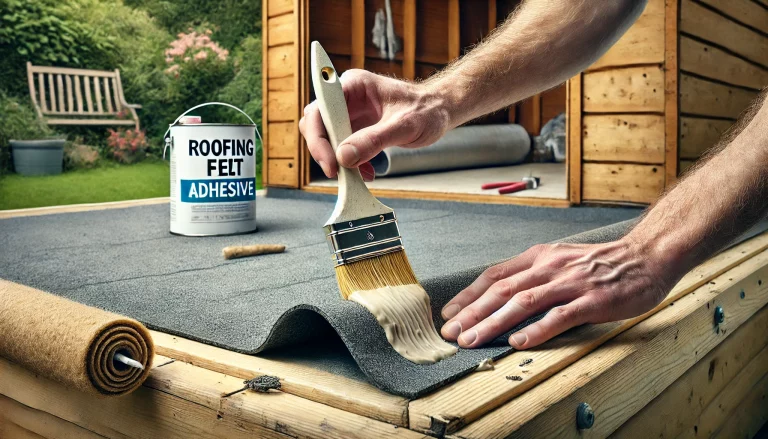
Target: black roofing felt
126,261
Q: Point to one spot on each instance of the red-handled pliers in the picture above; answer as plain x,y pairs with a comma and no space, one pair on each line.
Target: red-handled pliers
508,187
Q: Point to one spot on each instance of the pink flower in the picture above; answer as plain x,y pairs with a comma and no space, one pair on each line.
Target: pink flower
201,55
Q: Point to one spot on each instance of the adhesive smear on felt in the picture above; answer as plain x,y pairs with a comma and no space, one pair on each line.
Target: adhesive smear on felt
404,313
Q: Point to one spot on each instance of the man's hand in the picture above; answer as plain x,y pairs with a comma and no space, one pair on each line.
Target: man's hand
580,283
384,112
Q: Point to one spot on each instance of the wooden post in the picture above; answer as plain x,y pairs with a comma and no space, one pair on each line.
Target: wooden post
671,95
491,15
409,39
358,34
454,30
574,139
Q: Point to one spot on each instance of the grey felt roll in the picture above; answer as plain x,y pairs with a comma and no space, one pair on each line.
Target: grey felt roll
70,342
475,146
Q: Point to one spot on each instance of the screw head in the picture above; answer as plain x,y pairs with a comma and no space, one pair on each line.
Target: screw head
719,315
585,416
742,294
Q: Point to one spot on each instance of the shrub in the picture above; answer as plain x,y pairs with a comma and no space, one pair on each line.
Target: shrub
18,121
127,146
78,155
42,32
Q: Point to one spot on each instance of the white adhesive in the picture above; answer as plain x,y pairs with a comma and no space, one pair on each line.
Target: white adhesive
213,178
406,317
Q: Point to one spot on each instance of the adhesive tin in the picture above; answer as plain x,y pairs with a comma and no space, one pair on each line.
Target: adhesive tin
213,176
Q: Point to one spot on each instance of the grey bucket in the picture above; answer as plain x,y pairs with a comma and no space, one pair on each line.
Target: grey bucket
38,157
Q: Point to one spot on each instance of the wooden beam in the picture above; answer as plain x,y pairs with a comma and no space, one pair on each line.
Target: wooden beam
479,393
409,39
710,62
680,406
749,417
622,182
745,11
699,134
323,387
492,18
358,34
15,418
623,376
643,43
574,139
454,30
671,95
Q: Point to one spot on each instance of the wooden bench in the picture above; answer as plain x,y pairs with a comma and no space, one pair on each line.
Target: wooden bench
65,96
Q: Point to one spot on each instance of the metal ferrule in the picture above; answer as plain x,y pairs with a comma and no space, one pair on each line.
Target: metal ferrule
363,238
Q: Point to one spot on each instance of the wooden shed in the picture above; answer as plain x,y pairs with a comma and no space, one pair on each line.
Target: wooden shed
635,120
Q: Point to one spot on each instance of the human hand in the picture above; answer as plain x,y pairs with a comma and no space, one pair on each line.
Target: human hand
384,112
581,283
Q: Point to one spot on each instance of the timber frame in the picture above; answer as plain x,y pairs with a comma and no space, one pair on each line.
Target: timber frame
672,371
636,119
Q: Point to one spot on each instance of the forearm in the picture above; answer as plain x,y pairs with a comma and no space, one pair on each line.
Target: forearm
542,44
720,200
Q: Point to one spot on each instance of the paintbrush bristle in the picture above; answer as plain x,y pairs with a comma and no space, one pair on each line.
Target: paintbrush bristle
389,270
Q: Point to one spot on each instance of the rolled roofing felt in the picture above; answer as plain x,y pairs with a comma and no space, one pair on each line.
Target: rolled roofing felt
72,343
476,146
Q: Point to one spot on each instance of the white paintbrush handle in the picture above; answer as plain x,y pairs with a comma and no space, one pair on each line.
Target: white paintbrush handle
355,200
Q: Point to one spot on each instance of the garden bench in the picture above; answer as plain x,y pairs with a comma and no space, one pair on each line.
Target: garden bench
66,96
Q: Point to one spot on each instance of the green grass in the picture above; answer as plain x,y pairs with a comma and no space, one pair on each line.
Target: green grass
109,182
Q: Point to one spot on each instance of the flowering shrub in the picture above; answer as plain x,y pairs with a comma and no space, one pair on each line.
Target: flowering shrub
192,47
127,146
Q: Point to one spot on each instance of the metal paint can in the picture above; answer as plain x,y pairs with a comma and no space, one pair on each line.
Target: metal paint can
213,176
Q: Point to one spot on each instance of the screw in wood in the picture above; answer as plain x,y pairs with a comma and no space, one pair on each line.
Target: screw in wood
585,416
719,315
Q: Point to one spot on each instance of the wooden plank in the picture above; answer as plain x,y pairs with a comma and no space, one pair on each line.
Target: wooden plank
279,411
409,39
281,29
116,94
671,91
69,71
88,100
60,93
70,105
32,93
680,406
41,87
330,22
574,140
78,94
699,134
265,4
622,182
623,376
625,90
358,39
744,11
710,62
281,61
477,394
97,90
433,17
699,21
749,418
454,26
705,98
492,18
52,92
39,423
316,385
552,103
277,7
99,122
282,106
287,83
283,142
643,43
146,413
624,138
731,402
108,96
35,211
283,172
454,197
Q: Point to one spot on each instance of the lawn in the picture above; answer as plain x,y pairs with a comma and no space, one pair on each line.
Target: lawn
106,183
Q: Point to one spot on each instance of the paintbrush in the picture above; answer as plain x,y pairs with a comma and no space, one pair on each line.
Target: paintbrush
371,266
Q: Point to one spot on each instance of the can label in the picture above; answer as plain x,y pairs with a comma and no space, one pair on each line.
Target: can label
213,179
